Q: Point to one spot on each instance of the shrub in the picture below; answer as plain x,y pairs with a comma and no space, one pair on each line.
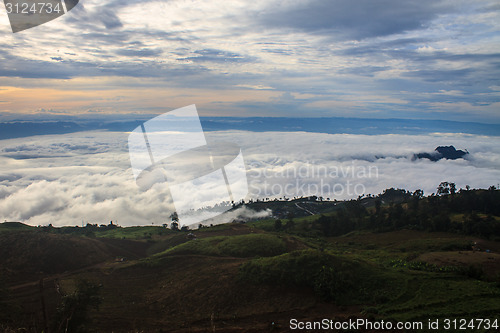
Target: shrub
72,314
204,246
424,266
167,244
333,281
458,246
242,246
252,245
330,277
474,272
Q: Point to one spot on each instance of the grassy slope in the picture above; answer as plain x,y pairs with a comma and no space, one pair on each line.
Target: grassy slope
419,295
195,285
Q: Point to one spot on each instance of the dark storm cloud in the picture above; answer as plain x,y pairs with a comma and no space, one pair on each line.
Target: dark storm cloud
476,57
346,19
407,49
364,70
109,19
463,68
105,38
441,75
180,74
31,70
145,52
104,15
476,69
491,8
53,68
368,49
151,69
213,55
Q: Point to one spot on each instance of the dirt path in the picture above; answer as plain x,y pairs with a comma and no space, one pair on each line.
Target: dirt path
304,209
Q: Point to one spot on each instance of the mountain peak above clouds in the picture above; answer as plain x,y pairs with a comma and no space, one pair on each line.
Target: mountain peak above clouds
446,152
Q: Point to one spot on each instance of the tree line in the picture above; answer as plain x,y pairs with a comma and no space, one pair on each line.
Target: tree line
466,211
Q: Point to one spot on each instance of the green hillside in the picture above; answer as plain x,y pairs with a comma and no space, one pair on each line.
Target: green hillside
397,257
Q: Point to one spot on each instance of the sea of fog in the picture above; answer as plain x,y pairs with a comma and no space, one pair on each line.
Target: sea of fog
86,177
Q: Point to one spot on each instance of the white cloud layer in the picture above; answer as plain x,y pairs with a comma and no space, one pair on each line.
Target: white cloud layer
86,177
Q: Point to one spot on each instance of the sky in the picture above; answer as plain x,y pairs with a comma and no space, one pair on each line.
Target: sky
427,59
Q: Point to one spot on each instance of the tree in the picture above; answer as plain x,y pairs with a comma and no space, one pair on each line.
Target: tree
72,314
4,306
416,197
378,204
174,225
453,189
289,224
418,194
175,221
441,222
325,225
278,225
446,188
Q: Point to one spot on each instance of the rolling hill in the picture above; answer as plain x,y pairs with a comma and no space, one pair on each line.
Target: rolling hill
259,275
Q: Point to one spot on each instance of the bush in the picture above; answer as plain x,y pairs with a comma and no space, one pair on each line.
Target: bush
425,266
72,314
242,246
474,272
4,306
252,245
10,313
332,282
459,246
329,277
295,268
167,244
204,246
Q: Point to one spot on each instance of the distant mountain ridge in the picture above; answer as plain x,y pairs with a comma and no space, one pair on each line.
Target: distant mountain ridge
330,125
